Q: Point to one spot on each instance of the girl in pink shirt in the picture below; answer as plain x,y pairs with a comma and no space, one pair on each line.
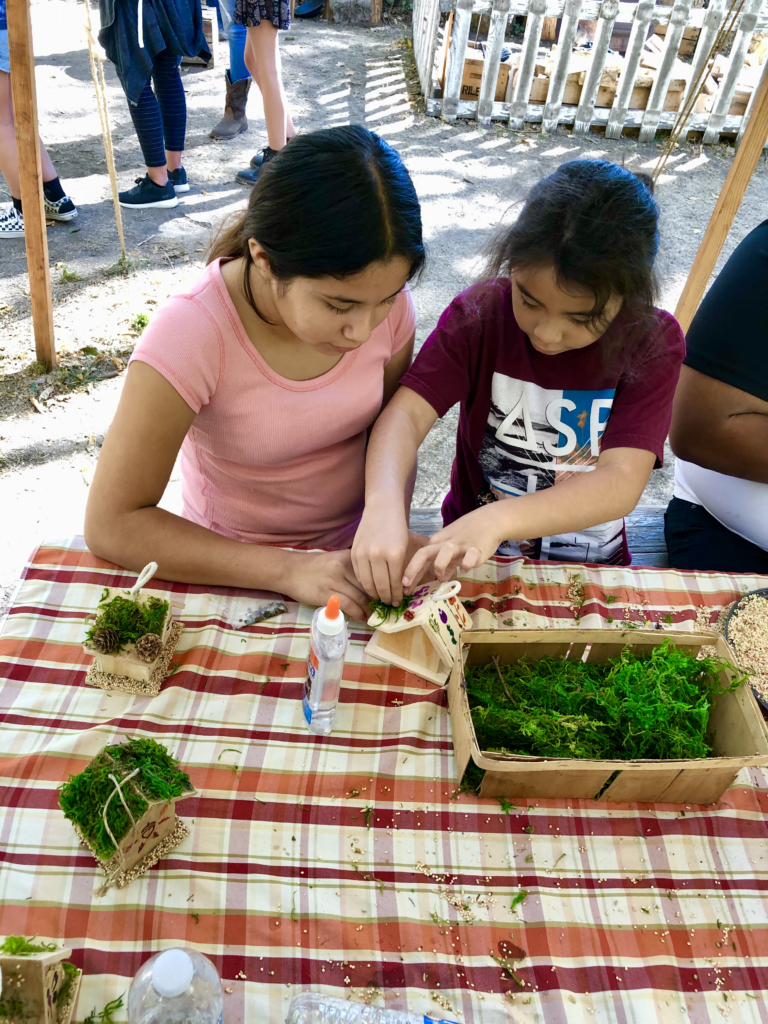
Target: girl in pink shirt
267,376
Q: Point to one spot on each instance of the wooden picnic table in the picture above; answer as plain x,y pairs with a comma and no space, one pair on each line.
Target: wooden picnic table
347,864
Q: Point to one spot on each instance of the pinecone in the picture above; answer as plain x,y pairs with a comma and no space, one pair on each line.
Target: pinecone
105,640
149,647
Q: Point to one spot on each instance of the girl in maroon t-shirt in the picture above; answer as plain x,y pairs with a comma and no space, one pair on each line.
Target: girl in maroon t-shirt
565,373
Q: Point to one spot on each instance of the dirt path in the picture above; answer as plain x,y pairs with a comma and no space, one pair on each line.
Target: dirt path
467,179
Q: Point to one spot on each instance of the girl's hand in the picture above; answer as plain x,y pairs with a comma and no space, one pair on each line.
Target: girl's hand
313,577
380,551
465,544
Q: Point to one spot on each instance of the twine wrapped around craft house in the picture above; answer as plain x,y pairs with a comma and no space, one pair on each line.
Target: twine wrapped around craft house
123,808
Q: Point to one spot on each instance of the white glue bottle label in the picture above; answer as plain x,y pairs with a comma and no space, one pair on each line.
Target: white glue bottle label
328,641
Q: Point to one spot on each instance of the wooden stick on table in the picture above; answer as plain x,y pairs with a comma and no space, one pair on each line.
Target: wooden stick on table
31,177
726,207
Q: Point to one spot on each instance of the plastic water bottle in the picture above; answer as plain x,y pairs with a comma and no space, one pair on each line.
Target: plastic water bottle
328,641
177,986
312,1008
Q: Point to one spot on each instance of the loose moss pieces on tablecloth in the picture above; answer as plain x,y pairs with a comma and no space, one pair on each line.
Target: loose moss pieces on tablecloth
129,619
388,611
83,797
104,1016
629,708
17,945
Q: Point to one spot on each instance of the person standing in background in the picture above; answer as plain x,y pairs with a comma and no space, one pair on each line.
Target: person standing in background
58,205
717,520
262,19
237,78
145,40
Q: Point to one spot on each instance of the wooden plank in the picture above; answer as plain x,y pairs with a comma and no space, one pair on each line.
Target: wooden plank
591,10
527,65
660,86
608,11
750,105
533,115
456,54
738,54
712,22
426,27
726,207
499,17
637,37
568,28
30,174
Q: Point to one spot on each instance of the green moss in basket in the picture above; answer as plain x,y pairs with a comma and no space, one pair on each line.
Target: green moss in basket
388,611
84,796
130,619
629,708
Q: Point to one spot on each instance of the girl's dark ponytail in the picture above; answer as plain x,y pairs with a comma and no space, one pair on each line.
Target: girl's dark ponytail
329,204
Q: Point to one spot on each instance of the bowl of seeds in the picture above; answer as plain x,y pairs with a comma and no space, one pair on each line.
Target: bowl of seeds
746,630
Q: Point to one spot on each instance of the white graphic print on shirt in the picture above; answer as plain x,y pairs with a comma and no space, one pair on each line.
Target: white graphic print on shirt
536,438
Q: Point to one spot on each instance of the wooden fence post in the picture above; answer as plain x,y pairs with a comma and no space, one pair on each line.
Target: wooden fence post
726,207
30,174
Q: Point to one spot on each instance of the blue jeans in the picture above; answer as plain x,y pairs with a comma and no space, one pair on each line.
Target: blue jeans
236,35
5,60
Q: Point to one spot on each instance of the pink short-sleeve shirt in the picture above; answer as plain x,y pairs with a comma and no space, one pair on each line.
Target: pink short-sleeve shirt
269,460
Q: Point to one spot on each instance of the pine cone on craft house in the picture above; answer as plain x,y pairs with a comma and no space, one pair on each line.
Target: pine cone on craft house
105,640
149,647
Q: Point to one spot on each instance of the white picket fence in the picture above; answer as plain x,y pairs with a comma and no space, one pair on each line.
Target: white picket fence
428,39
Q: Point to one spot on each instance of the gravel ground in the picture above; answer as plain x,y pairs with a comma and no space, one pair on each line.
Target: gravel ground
468,179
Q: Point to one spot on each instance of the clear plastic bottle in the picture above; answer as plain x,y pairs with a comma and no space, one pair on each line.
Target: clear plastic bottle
177,986
327,646
312,1008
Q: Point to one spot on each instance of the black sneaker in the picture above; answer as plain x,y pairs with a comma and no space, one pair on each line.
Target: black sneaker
11,222
60,209
146,194
251,174
259,158
179,180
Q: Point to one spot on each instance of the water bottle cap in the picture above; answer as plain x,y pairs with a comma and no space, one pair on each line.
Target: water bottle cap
172,973
331,620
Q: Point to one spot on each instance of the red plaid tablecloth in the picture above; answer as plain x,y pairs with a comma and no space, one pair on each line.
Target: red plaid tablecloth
343,864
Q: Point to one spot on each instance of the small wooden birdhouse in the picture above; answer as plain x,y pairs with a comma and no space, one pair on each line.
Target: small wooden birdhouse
422,637
38,987
123,808
132,637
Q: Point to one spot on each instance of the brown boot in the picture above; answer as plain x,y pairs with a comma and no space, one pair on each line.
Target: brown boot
234,120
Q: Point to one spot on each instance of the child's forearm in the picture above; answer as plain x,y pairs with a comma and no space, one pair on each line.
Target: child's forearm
188,553
586,499
393,447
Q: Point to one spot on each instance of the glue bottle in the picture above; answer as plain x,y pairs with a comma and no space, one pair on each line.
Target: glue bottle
328,642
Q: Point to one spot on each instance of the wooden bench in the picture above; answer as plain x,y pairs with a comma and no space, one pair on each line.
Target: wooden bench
645,532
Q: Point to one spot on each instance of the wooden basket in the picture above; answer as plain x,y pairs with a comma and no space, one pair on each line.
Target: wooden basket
739,735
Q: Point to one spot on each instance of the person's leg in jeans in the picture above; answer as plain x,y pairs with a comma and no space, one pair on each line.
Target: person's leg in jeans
173,106
698,541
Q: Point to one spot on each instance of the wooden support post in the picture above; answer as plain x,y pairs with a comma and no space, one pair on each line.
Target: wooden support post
726,207
30,174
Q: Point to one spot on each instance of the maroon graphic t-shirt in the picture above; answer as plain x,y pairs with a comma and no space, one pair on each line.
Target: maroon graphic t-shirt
529,421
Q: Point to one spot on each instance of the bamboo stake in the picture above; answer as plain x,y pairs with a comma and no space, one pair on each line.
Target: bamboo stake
726,207
31,178
100,85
